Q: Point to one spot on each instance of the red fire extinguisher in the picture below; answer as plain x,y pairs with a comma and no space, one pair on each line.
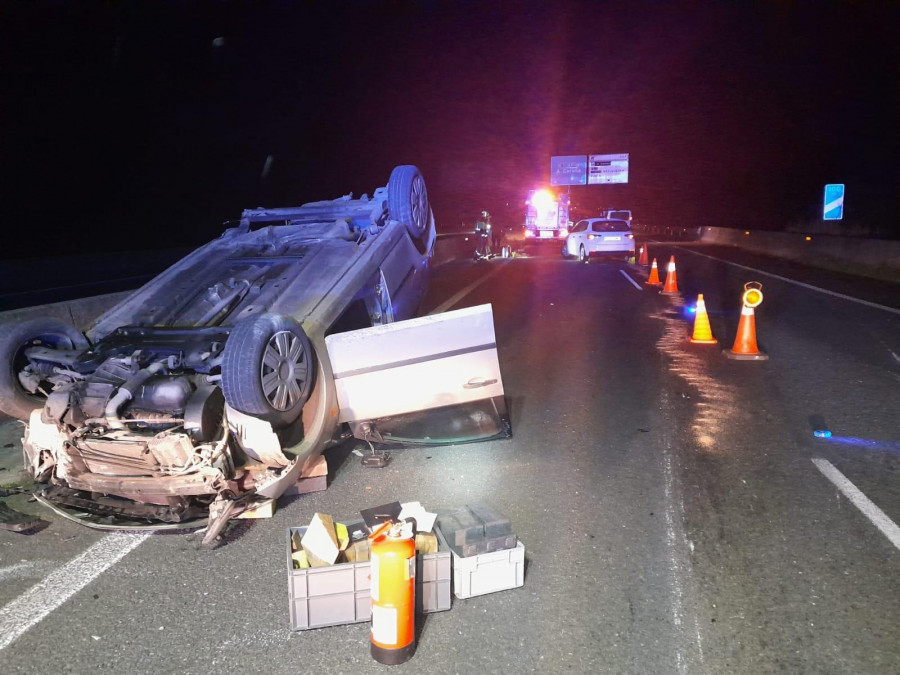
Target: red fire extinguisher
393,568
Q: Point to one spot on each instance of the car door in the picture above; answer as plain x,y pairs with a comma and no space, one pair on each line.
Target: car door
433,380
578,232
576,237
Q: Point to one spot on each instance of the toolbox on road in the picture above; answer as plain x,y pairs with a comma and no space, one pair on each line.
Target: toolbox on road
488,572
487,555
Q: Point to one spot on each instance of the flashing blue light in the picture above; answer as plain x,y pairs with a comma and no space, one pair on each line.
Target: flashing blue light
822,433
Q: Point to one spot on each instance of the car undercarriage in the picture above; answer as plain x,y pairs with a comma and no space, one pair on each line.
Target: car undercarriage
207,391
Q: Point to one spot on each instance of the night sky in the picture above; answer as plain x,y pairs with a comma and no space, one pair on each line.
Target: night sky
130,125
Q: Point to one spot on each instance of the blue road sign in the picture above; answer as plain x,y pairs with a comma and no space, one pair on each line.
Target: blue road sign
568,170
834,202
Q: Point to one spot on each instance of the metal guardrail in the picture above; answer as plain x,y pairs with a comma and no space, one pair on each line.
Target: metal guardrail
875,258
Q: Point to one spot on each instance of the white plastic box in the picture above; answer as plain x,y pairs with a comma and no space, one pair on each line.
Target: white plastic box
341,594
488,572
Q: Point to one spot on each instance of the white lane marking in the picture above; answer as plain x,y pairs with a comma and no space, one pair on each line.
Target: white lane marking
678,599
633,282
894,354
887,526
447,304
37,602
672,511
796,283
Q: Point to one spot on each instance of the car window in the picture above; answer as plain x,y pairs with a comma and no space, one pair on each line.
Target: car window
464,423
581,226
609,226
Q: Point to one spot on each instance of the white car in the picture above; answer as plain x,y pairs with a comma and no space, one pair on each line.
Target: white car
211,388
594,237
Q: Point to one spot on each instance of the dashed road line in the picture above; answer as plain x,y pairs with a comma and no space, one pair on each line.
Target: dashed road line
878,518
795,282
447,304
35,604
633,282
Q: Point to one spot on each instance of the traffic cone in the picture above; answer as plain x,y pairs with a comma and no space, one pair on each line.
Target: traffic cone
702,330
671,287
654,276
745,348
644,260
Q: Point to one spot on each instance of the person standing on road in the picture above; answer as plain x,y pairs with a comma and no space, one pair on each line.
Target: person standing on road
483,230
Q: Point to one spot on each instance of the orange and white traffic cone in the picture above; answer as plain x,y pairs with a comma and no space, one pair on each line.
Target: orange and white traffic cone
745,348
702,330
644,260
654,276
671,287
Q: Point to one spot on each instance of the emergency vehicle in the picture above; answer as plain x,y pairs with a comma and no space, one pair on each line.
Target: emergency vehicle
546,216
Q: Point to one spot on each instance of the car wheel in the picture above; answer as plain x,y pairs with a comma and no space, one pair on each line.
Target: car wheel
268,368
583,255
15,399
408,199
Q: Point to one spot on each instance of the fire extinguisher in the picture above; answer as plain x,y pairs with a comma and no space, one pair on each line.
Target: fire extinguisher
392,562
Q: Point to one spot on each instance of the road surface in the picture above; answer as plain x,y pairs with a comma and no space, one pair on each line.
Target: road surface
677,512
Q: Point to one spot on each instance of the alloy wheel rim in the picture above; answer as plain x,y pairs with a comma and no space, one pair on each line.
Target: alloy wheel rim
284,370
419,203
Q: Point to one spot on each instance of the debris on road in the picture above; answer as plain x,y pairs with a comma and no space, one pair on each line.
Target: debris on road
13,520
337,594
475,529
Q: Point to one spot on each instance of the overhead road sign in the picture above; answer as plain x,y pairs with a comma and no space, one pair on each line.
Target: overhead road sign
604,169
568,170
834,202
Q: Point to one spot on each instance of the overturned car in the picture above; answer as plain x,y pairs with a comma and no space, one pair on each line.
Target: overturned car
210,388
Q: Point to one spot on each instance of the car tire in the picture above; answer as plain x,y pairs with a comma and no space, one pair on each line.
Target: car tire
583,255
15,400
408,199
268,368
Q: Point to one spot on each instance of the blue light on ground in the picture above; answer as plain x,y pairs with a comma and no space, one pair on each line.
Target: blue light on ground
885,446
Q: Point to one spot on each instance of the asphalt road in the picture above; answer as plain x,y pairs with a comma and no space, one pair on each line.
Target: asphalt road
677,512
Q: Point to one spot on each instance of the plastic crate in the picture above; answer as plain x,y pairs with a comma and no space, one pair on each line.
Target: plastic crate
488,572
340,594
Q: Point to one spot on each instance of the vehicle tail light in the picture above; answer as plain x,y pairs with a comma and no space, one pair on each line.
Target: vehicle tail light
592,236
563,233
630,236
529,233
